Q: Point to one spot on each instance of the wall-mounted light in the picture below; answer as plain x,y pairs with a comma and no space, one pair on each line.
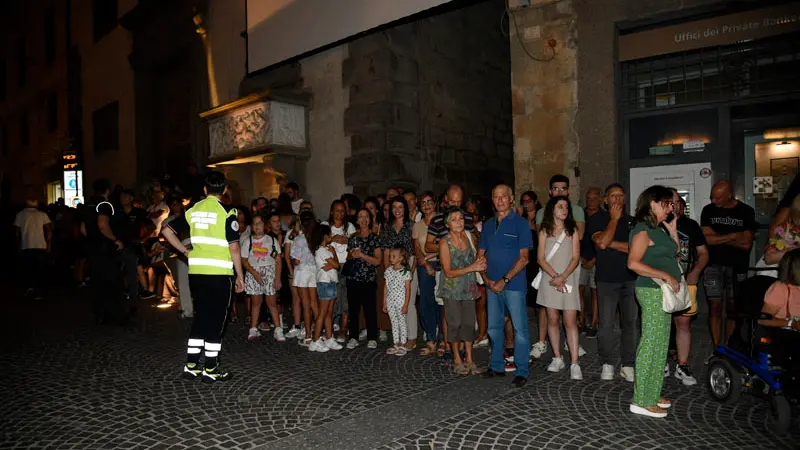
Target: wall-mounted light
784,143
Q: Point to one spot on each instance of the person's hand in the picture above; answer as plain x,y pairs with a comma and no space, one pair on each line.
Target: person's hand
119,244
327,267
259,279
331,249
404,309
489,284
615,211
479,265
277,284
339,239
692,278
295,262
239,284
673,283
430,257
429,269
499,286
672,226
796,325
558,281
385,311
356,253
561,287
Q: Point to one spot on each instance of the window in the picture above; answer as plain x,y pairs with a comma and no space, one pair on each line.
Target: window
22,62
104,17
24,130
52,112
3,80
50,37
105,123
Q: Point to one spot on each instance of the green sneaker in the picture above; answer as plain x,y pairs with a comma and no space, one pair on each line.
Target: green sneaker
191,371
215,374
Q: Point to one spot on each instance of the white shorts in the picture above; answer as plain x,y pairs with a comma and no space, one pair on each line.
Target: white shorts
305,278
251,286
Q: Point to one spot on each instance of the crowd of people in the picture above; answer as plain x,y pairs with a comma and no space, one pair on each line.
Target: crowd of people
435,274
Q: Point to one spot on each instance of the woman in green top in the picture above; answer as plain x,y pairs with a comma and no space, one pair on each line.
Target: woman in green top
653,255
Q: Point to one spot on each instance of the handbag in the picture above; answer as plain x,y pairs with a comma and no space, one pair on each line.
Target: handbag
348,268
672,301
538,280
472,244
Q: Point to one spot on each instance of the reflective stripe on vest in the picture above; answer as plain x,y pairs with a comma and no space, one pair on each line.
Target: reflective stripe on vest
210,254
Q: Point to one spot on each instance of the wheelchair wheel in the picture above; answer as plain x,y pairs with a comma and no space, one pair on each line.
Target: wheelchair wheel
780,414
724,382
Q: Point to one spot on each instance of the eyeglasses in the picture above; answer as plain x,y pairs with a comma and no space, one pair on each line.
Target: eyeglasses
427,202
559,189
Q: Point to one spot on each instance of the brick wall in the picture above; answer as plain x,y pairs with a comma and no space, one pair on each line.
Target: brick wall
429,104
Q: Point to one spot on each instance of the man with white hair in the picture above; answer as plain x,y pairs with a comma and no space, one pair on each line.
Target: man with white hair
34,238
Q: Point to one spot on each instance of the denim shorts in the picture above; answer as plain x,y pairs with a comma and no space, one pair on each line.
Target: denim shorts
326,291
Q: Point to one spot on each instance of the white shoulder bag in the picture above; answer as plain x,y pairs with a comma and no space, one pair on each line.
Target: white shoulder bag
538,280
672,301
478,276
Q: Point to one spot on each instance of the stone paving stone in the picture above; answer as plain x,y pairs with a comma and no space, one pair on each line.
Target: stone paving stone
69,384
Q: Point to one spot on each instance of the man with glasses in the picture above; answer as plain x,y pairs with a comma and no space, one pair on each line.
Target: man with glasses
559,187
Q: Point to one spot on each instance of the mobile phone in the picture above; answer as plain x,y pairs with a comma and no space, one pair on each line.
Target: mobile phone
670,217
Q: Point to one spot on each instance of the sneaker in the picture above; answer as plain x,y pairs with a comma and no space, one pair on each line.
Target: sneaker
401,351
391,350
146,295
341,339
591,333
293,333
191,371
636,409
254,334
83,284
351,344
666,371
318,346
278,334
215,374
627,373
383,336
556,365
362,335
510,366
372,345
304,342
263,326
581,350
332,344
575,372
482,343
684,374
302,334
607,373
583,329
336,328
538,349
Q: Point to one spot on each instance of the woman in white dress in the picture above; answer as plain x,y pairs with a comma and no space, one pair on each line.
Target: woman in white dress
558,289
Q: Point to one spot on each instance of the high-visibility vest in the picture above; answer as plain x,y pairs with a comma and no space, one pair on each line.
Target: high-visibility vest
210,254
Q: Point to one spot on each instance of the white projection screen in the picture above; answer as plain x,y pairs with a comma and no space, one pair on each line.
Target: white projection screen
278,30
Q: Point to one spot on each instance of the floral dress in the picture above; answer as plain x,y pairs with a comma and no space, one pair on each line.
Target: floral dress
464,287
784,237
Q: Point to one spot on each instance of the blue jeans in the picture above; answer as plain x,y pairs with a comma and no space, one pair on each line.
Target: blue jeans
496,305
430,312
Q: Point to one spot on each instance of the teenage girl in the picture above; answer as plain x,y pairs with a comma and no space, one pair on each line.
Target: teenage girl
292,233
305,274
397,297
327,278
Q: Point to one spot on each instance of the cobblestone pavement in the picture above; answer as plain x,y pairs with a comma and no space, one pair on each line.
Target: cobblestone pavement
68,384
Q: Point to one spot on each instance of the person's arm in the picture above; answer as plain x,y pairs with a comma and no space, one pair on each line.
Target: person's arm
333,261
105,227
48,235
172,238
384,302
576,258
581,229
639,245
742,240
449,272
772,309
489,282
717,239
287,255
781,217
431,246
541,256
693,276
236,256
404,309
278,269
246,266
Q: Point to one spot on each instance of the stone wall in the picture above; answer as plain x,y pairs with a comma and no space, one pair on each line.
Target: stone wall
429,104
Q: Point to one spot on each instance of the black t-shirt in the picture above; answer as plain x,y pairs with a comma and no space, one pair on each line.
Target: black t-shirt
133,220
97,206
690,236
724,221
612,265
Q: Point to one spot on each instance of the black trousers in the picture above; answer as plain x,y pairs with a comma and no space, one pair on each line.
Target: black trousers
212,298
362,294
34,267
108,300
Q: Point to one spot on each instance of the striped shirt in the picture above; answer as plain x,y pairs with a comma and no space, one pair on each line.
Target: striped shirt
438,229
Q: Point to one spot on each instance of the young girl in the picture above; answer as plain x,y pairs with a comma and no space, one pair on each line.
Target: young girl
261,261
293,231
305,274
327,278
397,297
558,290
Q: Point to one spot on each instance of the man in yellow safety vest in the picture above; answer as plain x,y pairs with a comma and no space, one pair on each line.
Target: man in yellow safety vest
214,258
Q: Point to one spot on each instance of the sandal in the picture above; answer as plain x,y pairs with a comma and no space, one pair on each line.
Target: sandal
474,370
459,369
428,350
664,403
481,341
441,350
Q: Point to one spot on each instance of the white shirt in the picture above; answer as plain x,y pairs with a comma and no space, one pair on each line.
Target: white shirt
321,258
418,216
341,249
296,205
259,251
31,223
160,219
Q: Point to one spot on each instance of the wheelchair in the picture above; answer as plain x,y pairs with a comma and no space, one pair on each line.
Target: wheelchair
759,361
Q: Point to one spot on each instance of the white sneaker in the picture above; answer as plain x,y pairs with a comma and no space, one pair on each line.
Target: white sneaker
362,335
304,342
293,333
684,374
538,349
318,346
302,334
607,373
372,345
336,328
482,343
332,344
383,336
278,335
581,350
401,351
556,365
666,371
340,339
575,372
254,334
627,373
351,344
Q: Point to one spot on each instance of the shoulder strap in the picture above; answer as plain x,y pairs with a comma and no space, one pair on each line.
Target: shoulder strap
557,244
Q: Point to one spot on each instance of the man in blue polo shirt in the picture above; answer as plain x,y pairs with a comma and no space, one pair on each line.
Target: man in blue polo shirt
505,242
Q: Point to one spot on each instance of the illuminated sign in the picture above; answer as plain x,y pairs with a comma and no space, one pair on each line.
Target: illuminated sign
73,187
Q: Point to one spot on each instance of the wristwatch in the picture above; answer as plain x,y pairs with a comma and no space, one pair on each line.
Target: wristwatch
506,280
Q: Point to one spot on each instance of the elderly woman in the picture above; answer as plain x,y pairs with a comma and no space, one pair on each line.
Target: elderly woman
459,289
653,256
784,237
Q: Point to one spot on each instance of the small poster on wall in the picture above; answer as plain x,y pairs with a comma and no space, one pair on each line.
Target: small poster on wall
762,185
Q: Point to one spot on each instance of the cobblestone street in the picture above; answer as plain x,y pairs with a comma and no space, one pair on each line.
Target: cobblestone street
68,384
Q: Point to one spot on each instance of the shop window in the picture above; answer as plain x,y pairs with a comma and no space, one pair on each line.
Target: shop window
52,112
22,62
104,17
24,130
686,132
50,37
105,124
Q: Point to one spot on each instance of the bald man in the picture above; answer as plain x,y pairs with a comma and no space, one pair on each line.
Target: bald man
729,227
